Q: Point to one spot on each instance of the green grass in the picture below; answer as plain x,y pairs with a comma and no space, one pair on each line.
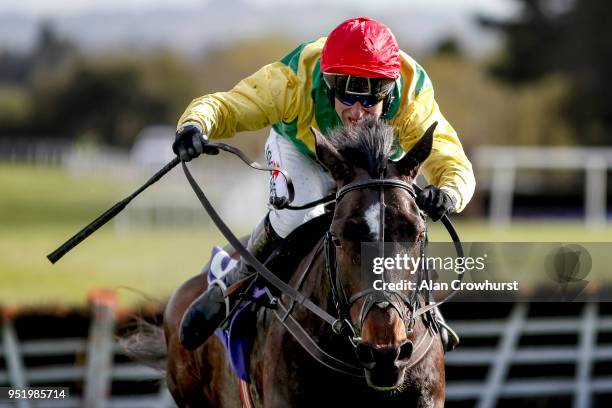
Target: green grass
51,196
41,207
155,261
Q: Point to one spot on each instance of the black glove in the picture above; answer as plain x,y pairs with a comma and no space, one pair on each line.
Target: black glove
190,143
435,202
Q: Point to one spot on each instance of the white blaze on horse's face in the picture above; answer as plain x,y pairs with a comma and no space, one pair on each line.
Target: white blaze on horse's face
372,217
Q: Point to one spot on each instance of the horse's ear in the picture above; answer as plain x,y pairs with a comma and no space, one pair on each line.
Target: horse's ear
411,162
329,156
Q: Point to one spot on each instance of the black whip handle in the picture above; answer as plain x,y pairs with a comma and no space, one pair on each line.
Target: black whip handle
93,226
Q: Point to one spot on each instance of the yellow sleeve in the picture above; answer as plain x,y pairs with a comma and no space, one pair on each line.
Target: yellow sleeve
266,97
447,167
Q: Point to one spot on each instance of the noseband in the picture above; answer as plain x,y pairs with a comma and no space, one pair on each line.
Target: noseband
407,307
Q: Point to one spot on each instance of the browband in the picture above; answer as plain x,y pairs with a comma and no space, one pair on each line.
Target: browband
359,185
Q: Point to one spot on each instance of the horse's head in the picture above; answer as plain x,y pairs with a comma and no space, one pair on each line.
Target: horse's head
371,208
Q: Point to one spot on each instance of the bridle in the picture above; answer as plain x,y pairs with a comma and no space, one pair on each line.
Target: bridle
373,296
340,324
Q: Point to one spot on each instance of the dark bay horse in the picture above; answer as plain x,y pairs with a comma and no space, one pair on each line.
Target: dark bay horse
399,355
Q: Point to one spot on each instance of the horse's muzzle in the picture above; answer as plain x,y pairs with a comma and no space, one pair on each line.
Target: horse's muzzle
384,366
370,356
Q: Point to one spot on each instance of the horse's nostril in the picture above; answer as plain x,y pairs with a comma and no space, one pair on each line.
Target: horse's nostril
405,351
365,355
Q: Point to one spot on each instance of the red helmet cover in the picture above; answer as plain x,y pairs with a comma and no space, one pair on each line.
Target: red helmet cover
363,47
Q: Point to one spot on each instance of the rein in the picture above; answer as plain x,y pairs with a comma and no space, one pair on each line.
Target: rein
342,324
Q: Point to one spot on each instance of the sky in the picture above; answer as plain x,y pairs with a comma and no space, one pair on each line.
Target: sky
45,8
194,25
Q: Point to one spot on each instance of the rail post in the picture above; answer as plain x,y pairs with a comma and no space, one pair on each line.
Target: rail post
100,349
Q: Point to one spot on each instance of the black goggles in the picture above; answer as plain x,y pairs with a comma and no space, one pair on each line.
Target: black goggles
349,89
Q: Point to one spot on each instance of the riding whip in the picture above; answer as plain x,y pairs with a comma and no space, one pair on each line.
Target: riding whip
108,215
118,207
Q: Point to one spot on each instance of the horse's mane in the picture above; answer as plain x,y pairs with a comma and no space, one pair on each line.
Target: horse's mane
368,144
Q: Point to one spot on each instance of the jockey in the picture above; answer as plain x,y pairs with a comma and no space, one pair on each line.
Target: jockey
357,71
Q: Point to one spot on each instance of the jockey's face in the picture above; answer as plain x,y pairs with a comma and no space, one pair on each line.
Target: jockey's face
354,113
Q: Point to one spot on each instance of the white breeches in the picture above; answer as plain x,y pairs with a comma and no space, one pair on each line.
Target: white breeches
310,181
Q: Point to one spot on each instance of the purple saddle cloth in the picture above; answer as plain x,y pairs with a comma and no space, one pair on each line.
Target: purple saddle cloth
240,331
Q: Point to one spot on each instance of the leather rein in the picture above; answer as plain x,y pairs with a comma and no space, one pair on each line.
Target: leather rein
341,324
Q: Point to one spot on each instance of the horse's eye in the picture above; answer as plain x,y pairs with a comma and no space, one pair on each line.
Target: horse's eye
336,241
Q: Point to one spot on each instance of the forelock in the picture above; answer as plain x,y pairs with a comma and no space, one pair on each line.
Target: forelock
368,144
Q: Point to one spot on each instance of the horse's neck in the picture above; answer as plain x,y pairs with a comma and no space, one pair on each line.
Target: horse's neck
310,277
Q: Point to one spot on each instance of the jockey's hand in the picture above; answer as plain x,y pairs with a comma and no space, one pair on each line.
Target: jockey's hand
435,202
190,142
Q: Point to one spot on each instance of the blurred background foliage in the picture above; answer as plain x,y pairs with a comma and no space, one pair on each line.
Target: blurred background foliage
547,86
568,38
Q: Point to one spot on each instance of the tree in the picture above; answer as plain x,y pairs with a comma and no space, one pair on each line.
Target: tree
568,37
110,100
449,47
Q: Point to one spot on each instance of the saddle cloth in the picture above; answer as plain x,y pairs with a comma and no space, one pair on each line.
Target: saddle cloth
237,336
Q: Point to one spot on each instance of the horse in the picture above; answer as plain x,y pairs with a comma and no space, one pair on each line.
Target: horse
395,356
